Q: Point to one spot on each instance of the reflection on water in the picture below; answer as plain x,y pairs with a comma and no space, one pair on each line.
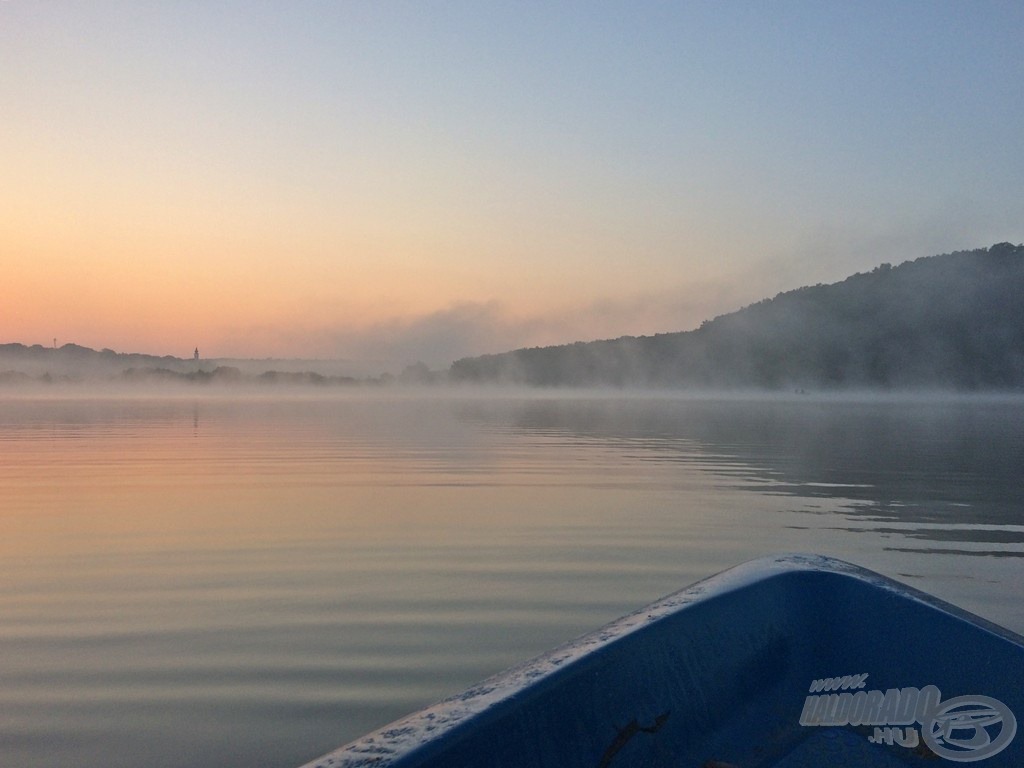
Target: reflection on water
207,582
954,463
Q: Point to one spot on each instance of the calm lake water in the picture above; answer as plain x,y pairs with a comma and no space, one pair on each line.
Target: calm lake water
253,581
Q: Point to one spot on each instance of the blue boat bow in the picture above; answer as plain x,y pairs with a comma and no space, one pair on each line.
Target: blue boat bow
796,661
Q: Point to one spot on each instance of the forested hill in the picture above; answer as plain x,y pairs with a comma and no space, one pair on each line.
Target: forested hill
954,321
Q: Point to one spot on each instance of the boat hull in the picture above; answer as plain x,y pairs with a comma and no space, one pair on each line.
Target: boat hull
791,661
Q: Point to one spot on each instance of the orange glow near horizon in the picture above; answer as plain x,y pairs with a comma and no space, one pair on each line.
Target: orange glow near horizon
172,269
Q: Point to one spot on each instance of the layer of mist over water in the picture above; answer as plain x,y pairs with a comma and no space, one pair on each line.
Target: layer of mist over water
209,581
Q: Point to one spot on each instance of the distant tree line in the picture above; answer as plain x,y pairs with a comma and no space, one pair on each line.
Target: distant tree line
22,365
954,321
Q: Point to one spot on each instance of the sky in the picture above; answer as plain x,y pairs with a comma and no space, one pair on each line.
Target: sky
404,181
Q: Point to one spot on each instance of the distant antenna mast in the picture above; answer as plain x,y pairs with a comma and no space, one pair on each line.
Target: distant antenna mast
195,355
54,342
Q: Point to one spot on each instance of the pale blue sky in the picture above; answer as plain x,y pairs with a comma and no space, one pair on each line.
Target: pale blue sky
434,179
